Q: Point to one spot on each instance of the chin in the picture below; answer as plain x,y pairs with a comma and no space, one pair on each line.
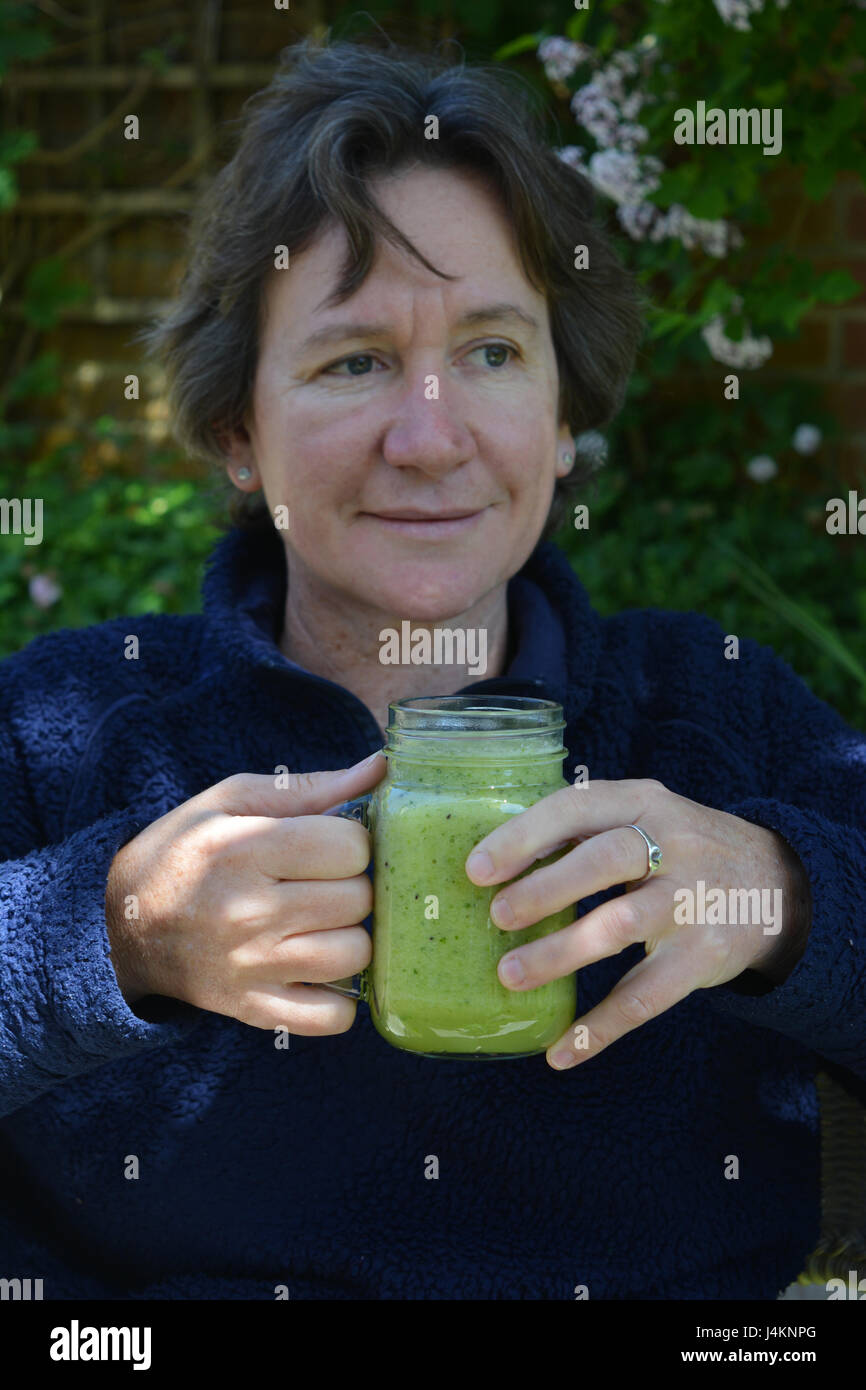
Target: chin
434,594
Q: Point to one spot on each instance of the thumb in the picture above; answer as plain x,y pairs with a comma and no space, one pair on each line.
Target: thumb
296,793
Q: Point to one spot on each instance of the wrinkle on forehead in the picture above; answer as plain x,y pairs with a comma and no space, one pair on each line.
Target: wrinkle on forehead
455,218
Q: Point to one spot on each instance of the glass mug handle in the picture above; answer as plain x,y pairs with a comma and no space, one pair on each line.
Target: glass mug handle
353,986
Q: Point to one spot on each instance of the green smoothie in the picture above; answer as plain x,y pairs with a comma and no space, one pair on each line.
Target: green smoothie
433,986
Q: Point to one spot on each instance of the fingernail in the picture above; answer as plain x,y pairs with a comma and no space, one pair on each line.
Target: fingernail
479,864
501,912
562,1060
367,761
511,971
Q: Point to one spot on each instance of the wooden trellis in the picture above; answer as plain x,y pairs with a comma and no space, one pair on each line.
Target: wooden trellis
76,223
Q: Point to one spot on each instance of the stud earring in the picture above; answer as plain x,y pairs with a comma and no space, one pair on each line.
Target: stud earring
568,458
244,473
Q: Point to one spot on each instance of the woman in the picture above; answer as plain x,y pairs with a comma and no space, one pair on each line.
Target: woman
383,338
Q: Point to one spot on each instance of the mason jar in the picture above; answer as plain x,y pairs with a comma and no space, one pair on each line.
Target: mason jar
458,766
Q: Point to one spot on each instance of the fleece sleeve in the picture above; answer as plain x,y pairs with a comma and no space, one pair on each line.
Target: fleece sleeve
810,768
61,1010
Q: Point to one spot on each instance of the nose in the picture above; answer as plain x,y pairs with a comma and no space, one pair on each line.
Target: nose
428,434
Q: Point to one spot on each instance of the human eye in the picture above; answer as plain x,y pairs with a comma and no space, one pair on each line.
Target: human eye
496,355
358,364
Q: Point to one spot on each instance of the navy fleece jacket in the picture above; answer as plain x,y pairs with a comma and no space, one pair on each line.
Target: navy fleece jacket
305,1167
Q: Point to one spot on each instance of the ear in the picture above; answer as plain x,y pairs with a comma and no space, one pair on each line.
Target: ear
239,453
564,450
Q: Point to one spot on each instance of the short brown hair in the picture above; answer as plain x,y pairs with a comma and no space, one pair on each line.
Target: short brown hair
333,118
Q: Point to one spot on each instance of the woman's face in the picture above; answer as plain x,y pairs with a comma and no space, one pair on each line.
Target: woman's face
416,394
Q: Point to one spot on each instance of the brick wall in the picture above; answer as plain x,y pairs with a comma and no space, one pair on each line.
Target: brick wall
830,347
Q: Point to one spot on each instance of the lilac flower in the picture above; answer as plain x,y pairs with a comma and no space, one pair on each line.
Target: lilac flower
807,438
591,446
560,57
573,156
749,352
625,62
43,591
714,237
623,176
762,468
608,112
594,110
606,109
631,135
638,219
736,12
632,105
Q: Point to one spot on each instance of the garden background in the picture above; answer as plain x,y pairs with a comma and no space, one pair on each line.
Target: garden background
754,264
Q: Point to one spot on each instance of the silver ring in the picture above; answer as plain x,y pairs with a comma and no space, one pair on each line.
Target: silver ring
654,851
346,987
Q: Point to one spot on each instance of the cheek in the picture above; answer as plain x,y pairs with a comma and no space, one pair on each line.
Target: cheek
522,451
523,415
311,455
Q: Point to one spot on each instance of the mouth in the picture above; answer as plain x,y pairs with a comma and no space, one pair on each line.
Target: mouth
427,524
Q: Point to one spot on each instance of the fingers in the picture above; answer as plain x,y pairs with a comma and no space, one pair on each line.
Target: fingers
605,931
297,847
614,856
647,990
288,909
301,1009
258,794
574,810
312,957
303,907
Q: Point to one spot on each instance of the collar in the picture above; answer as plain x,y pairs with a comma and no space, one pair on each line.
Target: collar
555,632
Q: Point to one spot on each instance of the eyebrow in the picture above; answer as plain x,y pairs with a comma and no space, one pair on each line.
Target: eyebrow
488,313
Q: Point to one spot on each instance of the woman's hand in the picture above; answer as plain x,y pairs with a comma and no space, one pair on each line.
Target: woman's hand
247,898
682,953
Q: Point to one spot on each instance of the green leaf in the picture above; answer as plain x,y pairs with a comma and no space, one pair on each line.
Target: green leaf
155,58
8,189
846,114
708,202
744,181
665,321
677,185
577,23
47,288
771,94
17,145
717,299
19,45
818,180
521,45
790,314
764,588
837,286
607,39
41,377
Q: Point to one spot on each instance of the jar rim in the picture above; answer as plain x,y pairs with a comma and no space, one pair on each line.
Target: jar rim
466,715
487,702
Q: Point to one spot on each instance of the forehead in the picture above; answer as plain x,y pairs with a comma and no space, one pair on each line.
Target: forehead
452,217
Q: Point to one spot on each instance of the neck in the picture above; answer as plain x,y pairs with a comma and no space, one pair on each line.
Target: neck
330,636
